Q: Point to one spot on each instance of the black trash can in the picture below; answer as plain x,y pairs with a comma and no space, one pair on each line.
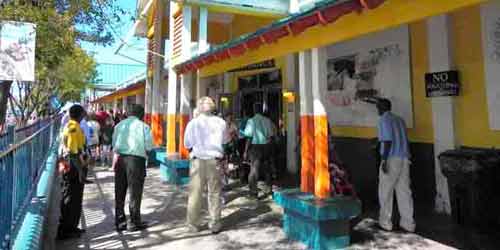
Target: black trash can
473,176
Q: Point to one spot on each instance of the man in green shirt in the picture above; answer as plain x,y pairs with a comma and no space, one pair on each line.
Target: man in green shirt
259,130
132,141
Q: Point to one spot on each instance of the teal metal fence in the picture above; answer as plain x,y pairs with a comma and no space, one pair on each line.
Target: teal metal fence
22,159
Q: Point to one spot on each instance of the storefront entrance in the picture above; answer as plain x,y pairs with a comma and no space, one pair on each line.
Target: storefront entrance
262,88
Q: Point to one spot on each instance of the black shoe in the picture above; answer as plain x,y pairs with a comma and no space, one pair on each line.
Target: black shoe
78,230
138,227
120,228
66,236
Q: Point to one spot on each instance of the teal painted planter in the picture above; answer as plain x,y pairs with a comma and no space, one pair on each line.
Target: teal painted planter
157,156
320,224
175,171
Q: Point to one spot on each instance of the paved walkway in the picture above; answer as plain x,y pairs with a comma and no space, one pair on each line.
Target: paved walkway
247,225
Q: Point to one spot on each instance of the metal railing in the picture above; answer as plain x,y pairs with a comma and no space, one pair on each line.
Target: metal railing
21,162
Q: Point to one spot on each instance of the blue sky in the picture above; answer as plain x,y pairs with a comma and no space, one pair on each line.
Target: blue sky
137,49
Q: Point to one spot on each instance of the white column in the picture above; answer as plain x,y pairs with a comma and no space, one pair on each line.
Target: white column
186,79
124,104
443,110
139,99
203,30
291,115
227,82
306,107
115,105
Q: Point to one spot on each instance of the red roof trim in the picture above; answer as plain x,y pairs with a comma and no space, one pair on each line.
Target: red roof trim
371,4
321,16
304,23
254,42
275,34
333,13
237,50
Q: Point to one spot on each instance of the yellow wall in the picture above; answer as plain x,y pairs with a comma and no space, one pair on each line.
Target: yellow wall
472,108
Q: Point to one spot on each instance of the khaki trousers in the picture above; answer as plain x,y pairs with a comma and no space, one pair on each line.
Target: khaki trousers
397,179
204,173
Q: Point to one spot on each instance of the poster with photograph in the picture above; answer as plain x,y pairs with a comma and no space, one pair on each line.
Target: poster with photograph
490,18
17,51
377,65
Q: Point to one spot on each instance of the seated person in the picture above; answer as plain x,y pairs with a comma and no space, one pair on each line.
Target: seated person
339,176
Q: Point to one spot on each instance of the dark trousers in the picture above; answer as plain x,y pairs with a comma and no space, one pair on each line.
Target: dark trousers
130,173
259,155
72,197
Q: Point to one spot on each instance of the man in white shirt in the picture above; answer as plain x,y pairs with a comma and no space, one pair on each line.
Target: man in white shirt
205,136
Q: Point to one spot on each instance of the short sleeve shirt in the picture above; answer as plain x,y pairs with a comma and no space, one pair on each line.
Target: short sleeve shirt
259,128
393,128
132,137
73,138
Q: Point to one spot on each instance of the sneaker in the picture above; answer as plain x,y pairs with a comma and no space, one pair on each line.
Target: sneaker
216,228
193,229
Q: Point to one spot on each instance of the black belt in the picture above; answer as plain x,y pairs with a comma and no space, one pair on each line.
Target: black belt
218,159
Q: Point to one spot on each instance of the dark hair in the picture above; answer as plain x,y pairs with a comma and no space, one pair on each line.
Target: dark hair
136,110
76,112
384,104
257,108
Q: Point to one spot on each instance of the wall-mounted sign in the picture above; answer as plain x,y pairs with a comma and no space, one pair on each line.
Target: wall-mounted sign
260,65
442,84
17,51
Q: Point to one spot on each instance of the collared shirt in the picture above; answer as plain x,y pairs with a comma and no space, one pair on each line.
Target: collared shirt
132,137
393,128
87,131
73,138
259,128
205,135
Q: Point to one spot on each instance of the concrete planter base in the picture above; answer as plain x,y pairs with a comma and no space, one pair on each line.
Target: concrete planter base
319,223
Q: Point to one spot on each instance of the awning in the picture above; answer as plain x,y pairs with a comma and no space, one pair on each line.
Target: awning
330,22
323,13
130,90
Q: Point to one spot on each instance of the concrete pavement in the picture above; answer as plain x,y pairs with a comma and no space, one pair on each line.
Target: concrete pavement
247,225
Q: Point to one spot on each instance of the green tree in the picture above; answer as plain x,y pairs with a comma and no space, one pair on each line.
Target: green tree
62,68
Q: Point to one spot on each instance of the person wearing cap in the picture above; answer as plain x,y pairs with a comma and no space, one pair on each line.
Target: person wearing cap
132,142
259,129
394,172
205,136
73,150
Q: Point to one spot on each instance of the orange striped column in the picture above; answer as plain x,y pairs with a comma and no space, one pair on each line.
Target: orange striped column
321,174
186,80
159,45
307,154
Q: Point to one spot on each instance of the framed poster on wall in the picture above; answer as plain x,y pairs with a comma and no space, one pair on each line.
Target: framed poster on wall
376,65
490,22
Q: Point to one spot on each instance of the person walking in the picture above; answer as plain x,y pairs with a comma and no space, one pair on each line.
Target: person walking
132,142
73,151
259,130
394,174
205,136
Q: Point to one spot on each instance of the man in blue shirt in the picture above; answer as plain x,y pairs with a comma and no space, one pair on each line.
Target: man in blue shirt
394,169
132,141
259,130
